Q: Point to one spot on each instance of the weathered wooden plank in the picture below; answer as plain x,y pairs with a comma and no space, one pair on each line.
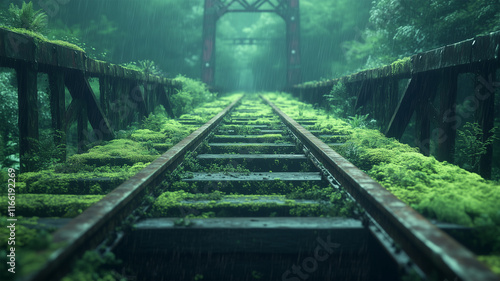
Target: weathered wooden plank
17,46
404,110
252,156
248,148
485,48
249,138
456,54
263,176
428,60
258,144
250,234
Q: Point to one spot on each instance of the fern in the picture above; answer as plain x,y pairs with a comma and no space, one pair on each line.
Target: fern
26,17
470,146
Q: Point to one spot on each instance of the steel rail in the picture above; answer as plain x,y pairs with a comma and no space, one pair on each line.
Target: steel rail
91,227
435,252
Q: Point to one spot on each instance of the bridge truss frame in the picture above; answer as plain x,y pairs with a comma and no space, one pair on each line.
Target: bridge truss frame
287,9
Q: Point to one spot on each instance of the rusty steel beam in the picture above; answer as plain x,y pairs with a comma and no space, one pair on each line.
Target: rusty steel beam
436,253
95,223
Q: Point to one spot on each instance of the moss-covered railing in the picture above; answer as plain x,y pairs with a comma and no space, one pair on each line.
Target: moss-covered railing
425,84
125,95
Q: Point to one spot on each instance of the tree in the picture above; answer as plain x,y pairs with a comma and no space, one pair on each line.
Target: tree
400,28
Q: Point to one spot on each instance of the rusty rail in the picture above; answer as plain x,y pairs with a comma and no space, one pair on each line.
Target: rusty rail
95,223
436,253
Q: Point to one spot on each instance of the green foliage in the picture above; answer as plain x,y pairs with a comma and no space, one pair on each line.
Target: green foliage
149,67
145,135
341,103
117,152
358,121
33,245
50,205
9,118
79,179
438,190
492,262
402,28
193,94
176,203
27,18
93,266
471,146
45,152
400,65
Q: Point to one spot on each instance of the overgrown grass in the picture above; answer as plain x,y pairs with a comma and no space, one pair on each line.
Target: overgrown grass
438,190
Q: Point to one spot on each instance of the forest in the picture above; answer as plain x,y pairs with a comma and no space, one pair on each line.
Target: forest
338,37
163,37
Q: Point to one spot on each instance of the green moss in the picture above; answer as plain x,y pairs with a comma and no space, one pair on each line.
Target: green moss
33,245
180,202
40,38
50,205
67,45
116,152
438,190
399,66
493,262
93,266
144,135
95,181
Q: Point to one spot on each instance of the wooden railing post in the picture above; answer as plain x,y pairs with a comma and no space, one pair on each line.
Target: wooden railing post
485,114
58,110
28,114
82,126
425,96
447,116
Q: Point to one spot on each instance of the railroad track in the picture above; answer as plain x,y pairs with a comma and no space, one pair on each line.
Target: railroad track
258,197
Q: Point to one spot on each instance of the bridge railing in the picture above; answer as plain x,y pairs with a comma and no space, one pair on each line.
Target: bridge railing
430,89
125,95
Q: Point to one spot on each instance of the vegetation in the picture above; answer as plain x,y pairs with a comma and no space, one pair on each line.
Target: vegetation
33,246
192,94
470,146
176,203
149,67
401,28
93,266
50,205
27,18
8,115
438,190
340,102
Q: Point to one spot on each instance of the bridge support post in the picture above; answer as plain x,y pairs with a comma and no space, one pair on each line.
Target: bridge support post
82,126
485,95
447,122
28,114
292,19
208,57
58,110
423,111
